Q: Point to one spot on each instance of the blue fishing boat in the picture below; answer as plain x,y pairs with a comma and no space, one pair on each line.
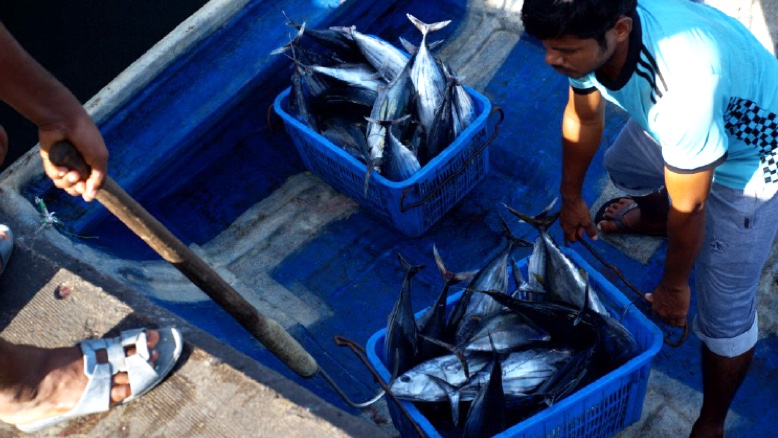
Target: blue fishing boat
197,137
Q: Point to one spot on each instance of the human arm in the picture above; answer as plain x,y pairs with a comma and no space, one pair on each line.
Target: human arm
685,235
32,91
582,127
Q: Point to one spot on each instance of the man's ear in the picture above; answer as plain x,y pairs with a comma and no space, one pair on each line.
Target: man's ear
623,28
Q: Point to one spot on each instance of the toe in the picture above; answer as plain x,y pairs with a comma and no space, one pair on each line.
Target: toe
119,393
613,209
607,226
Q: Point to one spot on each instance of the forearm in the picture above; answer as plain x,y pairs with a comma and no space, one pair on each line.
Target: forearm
580,141
32,91
685,234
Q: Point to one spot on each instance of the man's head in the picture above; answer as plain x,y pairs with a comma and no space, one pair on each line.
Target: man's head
580,36
583,19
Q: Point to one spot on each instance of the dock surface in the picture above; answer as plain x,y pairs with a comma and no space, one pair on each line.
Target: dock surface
303,253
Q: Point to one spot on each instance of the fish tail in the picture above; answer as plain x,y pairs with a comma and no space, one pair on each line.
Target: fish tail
542,221
427,28
290,45
512,239
289,21
448,276
409,268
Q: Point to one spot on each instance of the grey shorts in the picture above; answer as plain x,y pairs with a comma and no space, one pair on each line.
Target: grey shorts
740,227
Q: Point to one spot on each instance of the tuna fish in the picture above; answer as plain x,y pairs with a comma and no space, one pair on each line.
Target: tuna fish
444,378
427,75
560,277
401,343
432,324
493,276
382,55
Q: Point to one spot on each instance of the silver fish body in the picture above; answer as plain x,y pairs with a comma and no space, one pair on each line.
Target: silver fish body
508,331
382,55
427,75
522,372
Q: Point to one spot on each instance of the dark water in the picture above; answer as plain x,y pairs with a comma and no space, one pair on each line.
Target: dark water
85,44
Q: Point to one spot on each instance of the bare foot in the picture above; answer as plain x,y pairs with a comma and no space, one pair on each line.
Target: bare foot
623,216
37,383
3,236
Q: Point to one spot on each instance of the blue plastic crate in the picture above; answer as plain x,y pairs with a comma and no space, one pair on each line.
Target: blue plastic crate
412,205
600,409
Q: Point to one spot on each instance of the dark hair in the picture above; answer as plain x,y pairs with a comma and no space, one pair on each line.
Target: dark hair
545,19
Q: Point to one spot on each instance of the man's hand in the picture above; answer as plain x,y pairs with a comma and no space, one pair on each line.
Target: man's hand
574,217
86,138
671,304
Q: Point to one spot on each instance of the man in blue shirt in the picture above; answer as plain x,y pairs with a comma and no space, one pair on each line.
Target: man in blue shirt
696,160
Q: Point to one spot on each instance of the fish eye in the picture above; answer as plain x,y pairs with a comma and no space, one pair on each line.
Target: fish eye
405,379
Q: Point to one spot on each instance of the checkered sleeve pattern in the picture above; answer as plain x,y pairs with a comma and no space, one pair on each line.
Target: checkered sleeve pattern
758,128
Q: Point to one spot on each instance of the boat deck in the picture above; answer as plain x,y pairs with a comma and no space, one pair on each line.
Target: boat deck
196,145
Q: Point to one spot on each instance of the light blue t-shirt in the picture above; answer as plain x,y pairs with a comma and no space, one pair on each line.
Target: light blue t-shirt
704,87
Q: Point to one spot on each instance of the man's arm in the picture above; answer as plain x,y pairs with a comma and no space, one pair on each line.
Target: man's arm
32,91
685,235
582,127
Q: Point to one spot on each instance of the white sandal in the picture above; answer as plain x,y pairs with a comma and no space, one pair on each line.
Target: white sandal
6,246
142,375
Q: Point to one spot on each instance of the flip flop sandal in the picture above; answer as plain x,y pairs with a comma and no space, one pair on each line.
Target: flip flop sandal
618,219
142,375
6,246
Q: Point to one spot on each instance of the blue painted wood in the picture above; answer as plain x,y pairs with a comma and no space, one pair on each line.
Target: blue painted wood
196,149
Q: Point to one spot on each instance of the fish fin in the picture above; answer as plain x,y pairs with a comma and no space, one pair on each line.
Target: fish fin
449,277
409,268
289,21
290,44
426,28
512,239
541,221
435,44
453,396
409,47
456,351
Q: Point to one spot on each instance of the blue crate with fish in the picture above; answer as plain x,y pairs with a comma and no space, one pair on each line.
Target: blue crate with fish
601,406
412,205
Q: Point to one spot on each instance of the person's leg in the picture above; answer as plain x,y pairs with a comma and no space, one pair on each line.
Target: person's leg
635,165
721,378
740,229
38,383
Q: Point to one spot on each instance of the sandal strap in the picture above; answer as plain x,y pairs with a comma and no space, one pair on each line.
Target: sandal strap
137,366
140,372
97,395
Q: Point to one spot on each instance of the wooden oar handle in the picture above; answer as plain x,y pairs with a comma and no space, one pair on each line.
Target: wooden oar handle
142,223
63,154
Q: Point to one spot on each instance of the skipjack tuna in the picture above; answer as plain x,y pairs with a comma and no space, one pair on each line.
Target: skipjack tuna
541,339
406,108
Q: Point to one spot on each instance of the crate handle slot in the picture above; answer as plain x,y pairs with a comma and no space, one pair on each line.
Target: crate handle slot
404,208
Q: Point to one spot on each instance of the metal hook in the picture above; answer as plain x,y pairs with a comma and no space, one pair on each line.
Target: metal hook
360,353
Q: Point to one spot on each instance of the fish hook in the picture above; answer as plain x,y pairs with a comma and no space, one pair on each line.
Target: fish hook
360,353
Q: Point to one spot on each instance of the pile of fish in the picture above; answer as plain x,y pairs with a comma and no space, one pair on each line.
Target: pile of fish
391,111
509,347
